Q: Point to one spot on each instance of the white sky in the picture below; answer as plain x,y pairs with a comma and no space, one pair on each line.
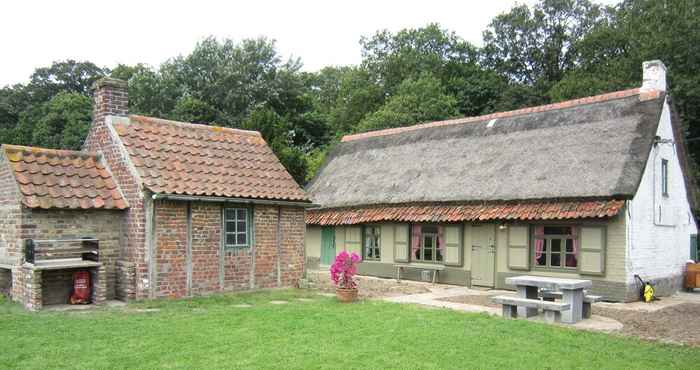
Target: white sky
35,33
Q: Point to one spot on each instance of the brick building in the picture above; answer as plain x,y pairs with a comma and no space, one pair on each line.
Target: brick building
179,209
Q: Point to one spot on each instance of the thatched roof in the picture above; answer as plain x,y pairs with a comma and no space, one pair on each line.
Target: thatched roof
589,148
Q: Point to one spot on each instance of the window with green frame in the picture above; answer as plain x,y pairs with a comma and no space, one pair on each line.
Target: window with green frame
556,247
427,243
236,227
372,243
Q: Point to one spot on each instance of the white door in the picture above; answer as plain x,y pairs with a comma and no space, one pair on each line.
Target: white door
483,255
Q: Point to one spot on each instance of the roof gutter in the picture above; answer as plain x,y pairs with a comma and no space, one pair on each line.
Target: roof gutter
195,198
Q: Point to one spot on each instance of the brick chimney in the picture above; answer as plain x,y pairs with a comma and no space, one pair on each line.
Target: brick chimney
111,98
654,76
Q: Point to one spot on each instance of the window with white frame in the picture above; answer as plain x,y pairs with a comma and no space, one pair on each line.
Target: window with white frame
664,177
236,227
372,243
556,247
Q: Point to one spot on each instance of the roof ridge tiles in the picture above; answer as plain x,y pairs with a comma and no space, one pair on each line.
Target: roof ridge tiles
643,96
180,124
48,152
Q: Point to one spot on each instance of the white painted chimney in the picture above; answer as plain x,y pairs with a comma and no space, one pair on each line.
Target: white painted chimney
654,75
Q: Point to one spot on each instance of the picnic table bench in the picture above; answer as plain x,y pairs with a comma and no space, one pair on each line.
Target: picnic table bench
550,296
552,310
571,289
435,268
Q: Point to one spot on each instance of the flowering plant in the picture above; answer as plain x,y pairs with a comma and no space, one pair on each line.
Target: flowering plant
344,268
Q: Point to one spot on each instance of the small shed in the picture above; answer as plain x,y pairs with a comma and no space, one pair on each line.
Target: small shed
60,212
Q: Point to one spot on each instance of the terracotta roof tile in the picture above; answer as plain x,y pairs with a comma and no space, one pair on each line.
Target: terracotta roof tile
62,179
515,211
190,159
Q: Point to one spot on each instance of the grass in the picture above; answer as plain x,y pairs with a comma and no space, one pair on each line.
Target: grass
211,333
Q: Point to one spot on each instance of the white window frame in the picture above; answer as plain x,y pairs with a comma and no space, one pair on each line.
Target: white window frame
664,177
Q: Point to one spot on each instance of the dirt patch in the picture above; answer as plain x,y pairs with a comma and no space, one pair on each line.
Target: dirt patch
679,323
481,300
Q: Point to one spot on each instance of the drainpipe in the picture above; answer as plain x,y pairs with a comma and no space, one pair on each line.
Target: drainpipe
279,246
188,250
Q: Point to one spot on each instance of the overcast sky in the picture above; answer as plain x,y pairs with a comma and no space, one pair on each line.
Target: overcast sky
35,33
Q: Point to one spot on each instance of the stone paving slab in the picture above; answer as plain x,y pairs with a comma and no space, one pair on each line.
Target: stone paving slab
432,299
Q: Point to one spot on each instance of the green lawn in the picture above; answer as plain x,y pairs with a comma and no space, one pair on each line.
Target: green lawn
212,333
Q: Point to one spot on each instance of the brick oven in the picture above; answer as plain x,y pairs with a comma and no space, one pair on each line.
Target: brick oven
57,199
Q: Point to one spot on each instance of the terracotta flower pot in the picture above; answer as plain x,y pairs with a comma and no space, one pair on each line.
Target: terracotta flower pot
346,295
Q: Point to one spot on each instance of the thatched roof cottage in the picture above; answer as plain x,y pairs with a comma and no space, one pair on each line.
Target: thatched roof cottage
596,188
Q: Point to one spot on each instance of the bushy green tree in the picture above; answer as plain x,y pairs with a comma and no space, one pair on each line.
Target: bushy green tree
534,48
60,123
420,100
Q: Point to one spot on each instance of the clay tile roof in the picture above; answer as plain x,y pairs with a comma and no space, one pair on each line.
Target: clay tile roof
511,211
199,160
50,178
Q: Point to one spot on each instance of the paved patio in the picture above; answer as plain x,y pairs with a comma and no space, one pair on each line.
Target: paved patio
438,293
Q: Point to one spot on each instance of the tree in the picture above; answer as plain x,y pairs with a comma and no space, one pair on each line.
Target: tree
64,76
61,123
535,48
420,100
392,58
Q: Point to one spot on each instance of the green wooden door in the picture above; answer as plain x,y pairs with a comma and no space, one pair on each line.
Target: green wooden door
483,254
327,245
694,247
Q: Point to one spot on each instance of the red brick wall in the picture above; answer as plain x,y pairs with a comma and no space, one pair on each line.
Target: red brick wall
171,249
206,247
111,98
10,212
206,259
293,231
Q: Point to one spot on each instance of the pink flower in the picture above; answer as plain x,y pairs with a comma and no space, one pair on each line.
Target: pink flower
344,269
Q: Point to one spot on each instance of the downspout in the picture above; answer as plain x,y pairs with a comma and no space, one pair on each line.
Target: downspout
279,246
252,248
151,240
188,250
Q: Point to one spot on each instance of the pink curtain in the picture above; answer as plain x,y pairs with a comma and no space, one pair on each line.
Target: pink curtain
415,239
539,243
574,237
441,238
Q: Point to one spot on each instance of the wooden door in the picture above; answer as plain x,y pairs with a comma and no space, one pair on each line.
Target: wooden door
483,255
327,246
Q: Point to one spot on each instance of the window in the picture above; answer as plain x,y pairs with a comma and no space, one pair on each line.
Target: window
236,222
427,243
556,247
372,244
664,177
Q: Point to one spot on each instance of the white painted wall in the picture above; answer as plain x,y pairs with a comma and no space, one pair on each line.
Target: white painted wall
658,240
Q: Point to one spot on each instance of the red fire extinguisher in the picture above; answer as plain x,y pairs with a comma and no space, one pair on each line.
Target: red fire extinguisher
81,288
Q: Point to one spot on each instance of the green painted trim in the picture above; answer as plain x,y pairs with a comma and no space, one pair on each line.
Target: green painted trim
329,232
603,252
526,247
459,246
363,241
407,243
249,221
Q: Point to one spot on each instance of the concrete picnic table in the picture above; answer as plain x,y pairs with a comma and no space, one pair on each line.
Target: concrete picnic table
572,293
